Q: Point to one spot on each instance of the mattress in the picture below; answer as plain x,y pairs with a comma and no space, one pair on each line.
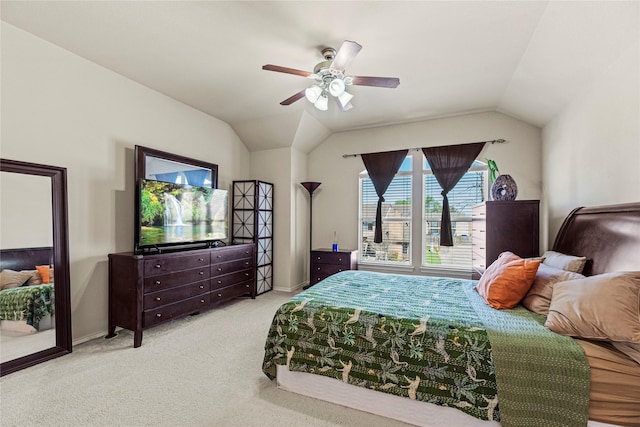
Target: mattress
614,396
414,412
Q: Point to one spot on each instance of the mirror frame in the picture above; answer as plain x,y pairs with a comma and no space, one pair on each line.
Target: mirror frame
141,154
62,300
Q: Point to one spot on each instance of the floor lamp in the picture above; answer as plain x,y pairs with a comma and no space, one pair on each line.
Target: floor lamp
311,187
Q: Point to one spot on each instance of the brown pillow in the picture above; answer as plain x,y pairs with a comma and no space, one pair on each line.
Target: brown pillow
539,296
12,279
34,277
564,262
602,307
507,280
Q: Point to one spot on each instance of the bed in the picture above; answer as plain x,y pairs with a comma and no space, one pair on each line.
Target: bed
430,351
27,295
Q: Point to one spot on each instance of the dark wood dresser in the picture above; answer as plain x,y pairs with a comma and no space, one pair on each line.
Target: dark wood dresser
325,262
500,226
146,290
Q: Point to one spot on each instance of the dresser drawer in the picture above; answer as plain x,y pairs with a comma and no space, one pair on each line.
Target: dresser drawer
165,281
229,292
168,312
231,279
340,258
175,294
231,253
228,267
327,269
154,267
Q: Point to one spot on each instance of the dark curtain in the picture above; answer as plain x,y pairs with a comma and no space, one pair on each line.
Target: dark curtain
382,167
449,163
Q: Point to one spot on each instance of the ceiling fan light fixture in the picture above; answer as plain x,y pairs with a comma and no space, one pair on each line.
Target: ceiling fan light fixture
344,98
322,103
336,87
313,93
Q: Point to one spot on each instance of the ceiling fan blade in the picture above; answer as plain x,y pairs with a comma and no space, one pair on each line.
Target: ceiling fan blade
279,69
293,98
345,54
390,82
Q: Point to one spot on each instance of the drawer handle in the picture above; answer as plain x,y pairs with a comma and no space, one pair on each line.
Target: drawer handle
339,259
246,274
339,269
318,268
219,256
159,315
202,301
201,286
200,259
158,265
318,258
202,273
157,282
246,252
219,268
219,282
219,295
246,286
157,298
246,263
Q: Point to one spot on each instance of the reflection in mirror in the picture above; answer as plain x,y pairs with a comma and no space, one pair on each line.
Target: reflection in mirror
168,167
35,309
178,173
27,309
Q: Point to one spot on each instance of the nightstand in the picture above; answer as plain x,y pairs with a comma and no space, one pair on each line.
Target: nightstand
325,262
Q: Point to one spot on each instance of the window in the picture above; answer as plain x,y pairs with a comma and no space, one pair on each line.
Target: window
469,191
396,218
411,230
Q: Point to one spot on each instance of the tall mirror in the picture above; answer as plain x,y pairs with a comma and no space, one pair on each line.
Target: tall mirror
35,309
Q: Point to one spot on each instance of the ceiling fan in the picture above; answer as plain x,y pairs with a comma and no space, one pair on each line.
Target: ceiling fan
330,79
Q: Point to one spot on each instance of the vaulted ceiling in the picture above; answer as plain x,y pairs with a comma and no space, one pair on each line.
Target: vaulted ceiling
525,59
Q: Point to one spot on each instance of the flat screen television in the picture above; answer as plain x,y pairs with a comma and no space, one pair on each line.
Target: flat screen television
173,214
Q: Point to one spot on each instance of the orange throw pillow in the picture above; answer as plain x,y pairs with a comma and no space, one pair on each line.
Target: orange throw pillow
44,273
507,280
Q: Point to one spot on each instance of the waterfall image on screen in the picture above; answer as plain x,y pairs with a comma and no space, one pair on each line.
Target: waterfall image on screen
173,213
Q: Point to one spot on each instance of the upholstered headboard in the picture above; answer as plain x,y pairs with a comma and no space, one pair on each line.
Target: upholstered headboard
25,258
609,236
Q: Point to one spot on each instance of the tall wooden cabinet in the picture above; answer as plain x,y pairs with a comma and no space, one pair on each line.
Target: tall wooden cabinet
252,221
500,226
146,290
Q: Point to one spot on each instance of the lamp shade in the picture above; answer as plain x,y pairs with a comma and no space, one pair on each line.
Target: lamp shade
310,186
344,98
322,103
313,93
336,87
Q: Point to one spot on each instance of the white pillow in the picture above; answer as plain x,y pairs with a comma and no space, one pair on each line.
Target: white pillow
564,262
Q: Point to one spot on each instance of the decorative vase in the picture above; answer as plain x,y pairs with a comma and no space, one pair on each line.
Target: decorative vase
504,188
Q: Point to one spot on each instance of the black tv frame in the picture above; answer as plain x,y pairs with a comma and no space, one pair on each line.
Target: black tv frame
140,155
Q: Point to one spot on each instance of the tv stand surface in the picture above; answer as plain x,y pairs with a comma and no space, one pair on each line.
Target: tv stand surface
146,290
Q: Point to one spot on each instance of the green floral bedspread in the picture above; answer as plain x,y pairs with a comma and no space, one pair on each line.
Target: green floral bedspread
414,336
29,303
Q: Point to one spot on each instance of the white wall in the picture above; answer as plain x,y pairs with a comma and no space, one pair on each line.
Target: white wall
591,150
285,168
60,109
336,201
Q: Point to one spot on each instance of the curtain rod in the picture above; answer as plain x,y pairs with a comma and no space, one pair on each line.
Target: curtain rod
495,141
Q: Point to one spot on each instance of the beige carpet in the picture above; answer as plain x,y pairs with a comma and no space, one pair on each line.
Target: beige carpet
203,370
